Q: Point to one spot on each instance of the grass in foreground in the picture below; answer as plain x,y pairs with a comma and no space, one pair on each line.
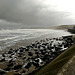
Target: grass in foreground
54,66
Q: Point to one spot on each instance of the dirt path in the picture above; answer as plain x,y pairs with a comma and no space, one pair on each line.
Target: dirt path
69,68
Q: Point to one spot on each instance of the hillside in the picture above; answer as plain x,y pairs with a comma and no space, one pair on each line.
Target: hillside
63,27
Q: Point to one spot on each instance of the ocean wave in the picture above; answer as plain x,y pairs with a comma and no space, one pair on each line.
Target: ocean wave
9,37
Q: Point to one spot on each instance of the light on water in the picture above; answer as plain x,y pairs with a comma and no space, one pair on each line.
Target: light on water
9,37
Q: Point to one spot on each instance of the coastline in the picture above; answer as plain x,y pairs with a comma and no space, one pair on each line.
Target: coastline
24,43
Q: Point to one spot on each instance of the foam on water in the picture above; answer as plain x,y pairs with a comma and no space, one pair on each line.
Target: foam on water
9,37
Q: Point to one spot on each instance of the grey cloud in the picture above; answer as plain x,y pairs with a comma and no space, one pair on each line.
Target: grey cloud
31,12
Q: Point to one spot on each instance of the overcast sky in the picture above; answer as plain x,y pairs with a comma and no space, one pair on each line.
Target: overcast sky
37,12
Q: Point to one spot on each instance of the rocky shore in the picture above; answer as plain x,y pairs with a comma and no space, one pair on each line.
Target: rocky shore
25,60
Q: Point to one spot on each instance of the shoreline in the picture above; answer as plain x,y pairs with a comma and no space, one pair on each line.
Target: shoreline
26,42
23,44
28,58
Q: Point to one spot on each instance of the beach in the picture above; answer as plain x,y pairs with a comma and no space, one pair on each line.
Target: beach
23,44
14,37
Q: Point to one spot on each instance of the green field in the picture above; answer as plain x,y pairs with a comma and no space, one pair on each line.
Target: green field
54,66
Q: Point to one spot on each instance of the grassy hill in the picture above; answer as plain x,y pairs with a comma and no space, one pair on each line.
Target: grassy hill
64,26
53,67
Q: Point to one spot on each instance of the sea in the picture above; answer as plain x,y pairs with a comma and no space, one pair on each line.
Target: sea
9,37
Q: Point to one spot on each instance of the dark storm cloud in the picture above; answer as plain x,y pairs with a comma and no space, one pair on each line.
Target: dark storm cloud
18,11
31,12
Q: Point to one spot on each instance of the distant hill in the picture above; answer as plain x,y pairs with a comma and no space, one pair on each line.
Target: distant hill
64,26
20,26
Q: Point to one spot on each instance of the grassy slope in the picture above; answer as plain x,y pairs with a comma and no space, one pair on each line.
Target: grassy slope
64,26
53,67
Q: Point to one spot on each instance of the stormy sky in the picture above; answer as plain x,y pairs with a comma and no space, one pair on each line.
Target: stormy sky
37,12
